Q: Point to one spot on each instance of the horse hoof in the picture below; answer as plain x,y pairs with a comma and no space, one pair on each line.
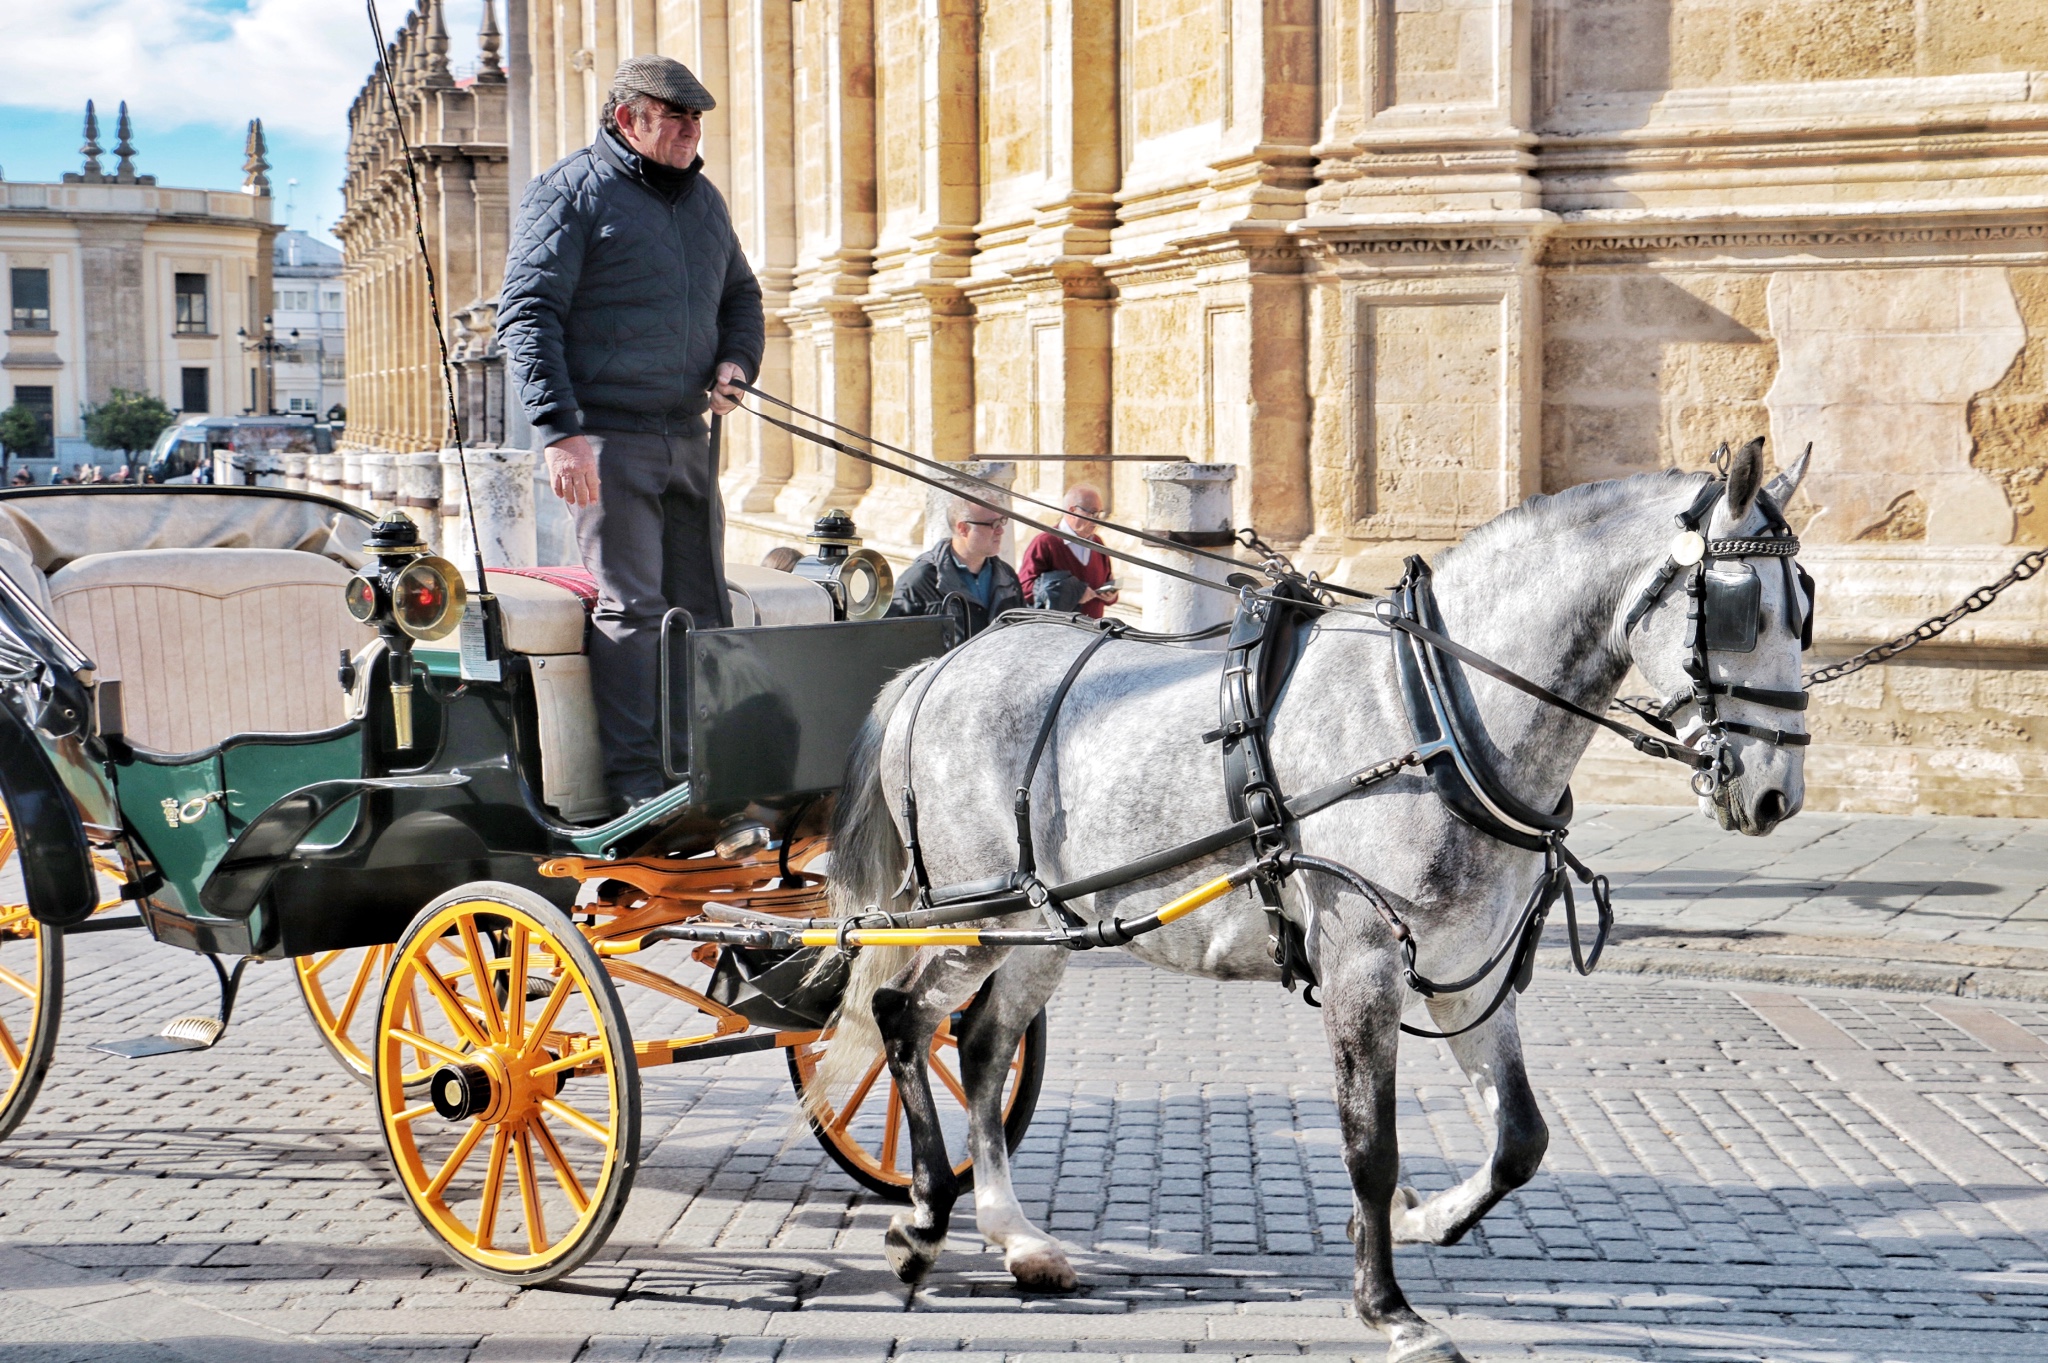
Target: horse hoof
1433,1346
1042,1269
910,1255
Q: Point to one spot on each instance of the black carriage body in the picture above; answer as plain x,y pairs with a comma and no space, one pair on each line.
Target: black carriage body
760,720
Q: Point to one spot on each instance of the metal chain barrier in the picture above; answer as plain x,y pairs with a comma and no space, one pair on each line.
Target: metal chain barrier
1930,628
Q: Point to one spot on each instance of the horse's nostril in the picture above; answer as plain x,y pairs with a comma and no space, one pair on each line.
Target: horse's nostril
1773,808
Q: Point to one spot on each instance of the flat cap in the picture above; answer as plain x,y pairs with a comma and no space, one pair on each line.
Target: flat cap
667,79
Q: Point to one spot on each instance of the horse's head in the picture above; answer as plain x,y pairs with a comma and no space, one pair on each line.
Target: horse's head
1721,644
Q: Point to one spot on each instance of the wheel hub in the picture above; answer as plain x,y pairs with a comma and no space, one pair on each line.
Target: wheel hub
461,1091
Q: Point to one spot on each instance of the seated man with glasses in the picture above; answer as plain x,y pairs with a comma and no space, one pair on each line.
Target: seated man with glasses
964,565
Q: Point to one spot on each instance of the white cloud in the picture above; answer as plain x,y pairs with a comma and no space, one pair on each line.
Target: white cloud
295,64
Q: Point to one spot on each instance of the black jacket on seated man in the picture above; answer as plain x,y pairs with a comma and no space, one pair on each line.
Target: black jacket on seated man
937,573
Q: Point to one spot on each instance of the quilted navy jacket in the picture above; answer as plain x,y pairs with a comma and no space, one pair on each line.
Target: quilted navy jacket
619,301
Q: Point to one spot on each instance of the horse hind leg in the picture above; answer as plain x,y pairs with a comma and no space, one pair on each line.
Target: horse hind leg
1363,1023
989,1036
1491,1056
908,1016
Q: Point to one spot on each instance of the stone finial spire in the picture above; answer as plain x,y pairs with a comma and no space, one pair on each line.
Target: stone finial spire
124,147
489,70
255,163
93,174
436,55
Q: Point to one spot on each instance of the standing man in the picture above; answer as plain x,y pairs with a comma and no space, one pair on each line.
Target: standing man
1064,576
965,565
628,308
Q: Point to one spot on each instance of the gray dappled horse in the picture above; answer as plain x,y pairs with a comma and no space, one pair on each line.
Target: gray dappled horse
1545,589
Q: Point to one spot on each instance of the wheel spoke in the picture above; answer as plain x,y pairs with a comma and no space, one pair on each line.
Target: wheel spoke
355,992
451,1004
412,1114
14,981
572,1187
321,962
487,998
859,1095
595,1130
568,1061
8,1047
529,1196
428,1046
463,1150
515,992
894,1119
537,1033
947,1078
494,1188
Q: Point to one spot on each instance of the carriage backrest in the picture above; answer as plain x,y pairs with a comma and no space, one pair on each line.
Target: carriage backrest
209,643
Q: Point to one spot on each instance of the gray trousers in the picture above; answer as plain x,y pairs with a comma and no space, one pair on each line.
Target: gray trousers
654,539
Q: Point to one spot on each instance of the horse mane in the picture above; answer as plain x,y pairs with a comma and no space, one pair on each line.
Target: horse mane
1547,514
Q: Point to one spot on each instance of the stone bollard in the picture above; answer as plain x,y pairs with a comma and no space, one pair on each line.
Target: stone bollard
352,478
417,485
1192,500
1003,473
323,474
380,479
501,485
295,469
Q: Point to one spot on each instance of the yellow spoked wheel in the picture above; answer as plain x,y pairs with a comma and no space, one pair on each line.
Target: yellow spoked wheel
868,1136
341,990
521,1153
31,989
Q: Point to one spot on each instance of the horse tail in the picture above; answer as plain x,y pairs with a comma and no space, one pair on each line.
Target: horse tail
868,864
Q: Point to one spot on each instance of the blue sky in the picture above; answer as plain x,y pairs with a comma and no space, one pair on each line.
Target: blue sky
194,72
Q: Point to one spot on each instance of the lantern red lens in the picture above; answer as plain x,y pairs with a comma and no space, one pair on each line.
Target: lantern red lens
361,597
427,599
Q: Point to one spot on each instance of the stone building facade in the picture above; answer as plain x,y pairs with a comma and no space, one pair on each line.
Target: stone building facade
113,281
1405,263
456,133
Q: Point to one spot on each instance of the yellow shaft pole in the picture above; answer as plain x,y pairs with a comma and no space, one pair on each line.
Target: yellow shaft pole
971,937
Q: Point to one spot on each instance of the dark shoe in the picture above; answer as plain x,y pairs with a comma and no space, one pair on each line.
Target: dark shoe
622,805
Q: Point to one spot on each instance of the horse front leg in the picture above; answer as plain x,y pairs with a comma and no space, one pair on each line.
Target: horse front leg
1362,1015
989,1036
908,1012
1491,1055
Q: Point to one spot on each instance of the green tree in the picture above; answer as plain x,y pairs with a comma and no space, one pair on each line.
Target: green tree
127,421
21,432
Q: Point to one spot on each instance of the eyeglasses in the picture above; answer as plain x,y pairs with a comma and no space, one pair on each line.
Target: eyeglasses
997,523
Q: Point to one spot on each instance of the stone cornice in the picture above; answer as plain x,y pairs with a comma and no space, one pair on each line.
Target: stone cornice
1577,241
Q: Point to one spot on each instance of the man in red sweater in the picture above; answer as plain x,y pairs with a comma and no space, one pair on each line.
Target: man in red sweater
1064,576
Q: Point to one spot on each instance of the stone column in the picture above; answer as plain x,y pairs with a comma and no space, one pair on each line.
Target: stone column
380,477
416,485
501,486
323,474
352,478
1194,500
295,471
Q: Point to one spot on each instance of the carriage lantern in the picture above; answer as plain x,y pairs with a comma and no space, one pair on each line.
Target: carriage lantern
859,580
409,594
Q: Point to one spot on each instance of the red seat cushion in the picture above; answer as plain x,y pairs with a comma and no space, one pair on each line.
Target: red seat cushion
573,578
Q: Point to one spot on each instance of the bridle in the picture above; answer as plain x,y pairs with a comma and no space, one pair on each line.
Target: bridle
1724,611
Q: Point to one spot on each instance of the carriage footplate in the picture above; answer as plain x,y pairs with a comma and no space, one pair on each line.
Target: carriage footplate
193,1031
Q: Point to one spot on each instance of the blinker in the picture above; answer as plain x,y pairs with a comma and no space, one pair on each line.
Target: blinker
1734,608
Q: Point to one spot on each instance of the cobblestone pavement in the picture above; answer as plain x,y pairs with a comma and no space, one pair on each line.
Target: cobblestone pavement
1736,1172
1940,905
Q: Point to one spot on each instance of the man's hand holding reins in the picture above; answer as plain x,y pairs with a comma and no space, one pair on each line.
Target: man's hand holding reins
725,397
572,470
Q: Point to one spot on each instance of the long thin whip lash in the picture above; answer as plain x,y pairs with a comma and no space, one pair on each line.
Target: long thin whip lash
419,235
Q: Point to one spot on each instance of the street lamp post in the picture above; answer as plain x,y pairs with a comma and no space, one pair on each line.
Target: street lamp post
269,347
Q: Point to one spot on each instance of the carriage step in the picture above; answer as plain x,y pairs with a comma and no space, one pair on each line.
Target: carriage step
193,1031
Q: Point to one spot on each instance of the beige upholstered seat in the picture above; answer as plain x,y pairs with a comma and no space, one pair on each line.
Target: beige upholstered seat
209,643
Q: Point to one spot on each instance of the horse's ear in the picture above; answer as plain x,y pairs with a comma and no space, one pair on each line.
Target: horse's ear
1785,484
1745,476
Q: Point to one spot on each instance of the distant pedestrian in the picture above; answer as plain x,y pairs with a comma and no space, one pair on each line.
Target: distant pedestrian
1063,576
23,478
965,565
